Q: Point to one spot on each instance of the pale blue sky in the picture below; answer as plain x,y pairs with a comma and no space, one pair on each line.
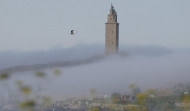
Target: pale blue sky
43,24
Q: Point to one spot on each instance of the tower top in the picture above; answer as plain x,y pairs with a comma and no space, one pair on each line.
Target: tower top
112,6
112,10
112,16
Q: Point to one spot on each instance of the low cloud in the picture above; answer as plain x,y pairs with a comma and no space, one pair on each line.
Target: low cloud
148,67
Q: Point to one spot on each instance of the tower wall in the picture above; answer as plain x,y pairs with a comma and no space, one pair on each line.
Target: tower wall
112,37
112,32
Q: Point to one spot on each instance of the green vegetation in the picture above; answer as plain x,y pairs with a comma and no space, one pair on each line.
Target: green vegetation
176,98
4,75
27,100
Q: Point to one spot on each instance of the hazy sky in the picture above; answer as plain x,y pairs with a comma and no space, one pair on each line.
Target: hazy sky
44,24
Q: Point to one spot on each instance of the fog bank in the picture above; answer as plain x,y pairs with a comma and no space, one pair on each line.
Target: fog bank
155,67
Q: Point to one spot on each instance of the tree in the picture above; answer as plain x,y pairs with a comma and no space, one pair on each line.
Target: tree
93,92
115,97
134,89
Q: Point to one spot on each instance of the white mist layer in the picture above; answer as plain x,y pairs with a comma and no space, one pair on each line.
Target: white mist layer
112,74
116,73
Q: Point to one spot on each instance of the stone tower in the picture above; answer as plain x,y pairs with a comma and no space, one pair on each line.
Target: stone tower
112,32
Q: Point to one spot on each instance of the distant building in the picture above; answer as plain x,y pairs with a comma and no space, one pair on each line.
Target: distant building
112,32
127,98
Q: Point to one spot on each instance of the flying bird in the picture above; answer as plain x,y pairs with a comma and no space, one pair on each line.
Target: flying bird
72,32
